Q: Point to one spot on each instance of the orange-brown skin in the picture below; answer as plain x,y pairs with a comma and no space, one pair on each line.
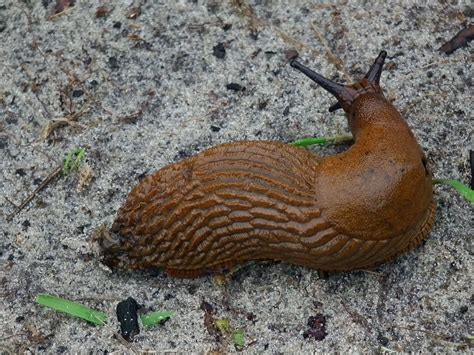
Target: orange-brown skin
256,200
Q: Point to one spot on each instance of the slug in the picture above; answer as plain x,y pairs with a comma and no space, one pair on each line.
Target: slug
267,200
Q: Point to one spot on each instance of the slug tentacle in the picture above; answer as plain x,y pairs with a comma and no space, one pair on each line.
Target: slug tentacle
375,71
255,200
347,94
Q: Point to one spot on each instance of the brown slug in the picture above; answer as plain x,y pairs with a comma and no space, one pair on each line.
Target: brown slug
255,200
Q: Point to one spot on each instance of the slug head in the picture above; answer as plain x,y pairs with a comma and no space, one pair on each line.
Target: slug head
118,251
347,94
111,248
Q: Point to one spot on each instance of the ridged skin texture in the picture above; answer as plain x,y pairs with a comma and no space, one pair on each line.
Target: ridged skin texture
256,200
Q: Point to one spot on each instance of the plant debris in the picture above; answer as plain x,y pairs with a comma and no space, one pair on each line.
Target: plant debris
62,5
317,327
471,162
51,177
461,39
102,11
72,308
209,321
160,317
72,161
134,13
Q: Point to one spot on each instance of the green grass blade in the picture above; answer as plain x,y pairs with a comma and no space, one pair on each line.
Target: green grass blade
72,308
151,319
223,325
464,190
305,142
73,160
239,338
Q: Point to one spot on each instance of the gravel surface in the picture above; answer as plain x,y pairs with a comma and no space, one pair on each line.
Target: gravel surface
140,89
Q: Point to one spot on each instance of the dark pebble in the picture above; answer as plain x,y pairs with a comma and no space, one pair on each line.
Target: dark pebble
61,349
3,143
207,307
382,340
317,325
215,129
235,87
142,175
169,296
468,11
192,289
113,63
3,24
316,321
21,172
262,104
11,120
219,51
128,318
316,334
77,93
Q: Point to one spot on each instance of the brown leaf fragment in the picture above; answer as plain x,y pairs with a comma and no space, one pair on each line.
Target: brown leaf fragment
461,39
209,321
134,12
102,11
62,5
291,54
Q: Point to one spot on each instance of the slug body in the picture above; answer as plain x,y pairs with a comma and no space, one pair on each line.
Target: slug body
254,200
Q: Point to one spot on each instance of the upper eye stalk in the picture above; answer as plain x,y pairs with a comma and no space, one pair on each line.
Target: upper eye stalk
345,94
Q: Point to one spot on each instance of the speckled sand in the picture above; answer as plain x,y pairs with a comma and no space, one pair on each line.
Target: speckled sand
149,92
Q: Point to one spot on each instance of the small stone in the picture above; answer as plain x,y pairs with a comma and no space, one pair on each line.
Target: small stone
77,93
128,318
262,104
235,87
219,51
113,63
21,172
383,340
3,24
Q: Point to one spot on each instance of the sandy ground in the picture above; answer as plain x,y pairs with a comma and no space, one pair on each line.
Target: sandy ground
140,91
